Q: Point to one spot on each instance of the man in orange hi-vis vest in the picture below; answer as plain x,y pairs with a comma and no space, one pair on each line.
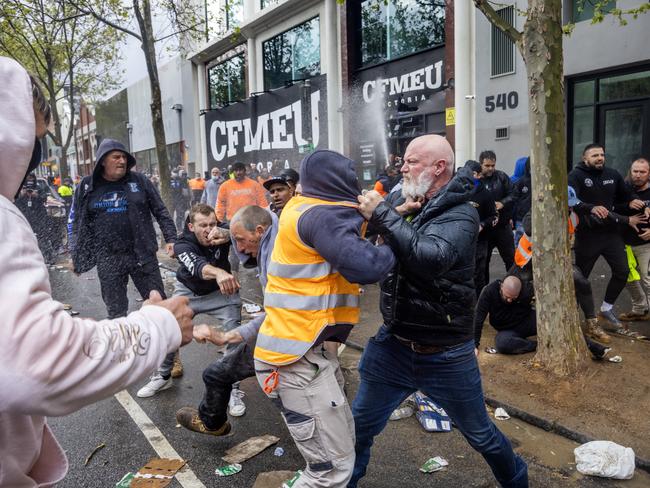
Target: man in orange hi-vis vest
312,295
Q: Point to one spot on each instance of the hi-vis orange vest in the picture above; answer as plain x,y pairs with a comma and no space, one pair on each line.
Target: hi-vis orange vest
524,251
303,295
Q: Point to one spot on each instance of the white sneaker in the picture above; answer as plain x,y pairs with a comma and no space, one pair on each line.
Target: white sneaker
236,406
156,384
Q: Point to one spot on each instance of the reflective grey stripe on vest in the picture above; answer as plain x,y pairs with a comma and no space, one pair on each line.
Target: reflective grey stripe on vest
315,270
301,302
283,346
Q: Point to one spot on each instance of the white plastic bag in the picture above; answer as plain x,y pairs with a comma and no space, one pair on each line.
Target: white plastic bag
605,459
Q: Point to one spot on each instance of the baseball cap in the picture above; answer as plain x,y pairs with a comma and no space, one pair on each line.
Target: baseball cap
276,179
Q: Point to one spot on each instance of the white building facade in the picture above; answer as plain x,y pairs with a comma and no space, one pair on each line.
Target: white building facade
606,86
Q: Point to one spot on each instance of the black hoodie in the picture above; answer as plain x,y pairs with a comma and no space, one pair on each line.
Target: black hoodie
335,231
142,200
599,187
193,257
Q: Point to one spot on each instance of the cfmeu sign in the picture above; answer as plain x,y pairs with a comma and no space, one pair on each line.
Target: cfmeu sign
271,126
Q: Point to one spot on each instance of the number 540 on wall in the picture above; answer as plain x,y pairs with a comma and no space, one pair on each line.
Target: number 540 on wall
503,101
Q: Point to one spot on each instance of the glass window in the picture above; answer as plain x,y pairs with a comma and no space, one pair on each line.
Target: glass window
234,13
267,3
227,81
583,131
394,28
632,85
584,9
583,92
292,55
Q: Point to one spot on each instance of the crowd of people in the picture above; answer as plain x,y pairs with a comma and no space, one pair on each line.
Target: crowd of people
425,233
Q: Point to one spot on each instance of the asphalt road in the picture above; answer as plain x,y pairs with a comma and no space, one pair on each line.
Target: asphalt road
398,452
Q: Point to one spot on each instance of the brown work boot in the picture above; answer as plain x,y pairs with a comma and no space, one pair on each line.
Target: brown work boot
189,418
177,369
596,332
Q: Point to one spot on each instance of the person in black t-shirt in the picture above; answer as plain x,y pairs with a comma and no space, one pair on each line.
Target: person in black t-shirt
639,240
111,228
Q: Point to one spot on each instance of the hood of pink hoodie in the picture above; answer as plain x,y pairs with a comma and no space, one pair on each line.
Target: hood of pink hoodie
17,126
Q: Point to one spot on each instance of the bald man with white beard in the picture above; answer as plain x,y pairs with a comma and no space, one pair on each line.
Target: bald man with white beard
426,342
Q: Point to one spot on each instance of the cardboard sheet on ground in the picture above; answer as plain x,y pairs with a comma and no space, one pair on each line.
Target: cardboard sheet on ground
249,448
272,479
157,473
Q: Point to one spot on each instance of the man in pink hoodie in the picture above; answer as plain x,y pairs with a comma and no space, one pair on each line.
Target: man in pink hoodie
54,364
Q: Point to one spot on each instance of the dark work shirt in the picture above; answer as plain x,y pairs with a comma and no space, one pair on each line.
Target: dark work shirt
501,189
483,202
503,315
108,212
630,236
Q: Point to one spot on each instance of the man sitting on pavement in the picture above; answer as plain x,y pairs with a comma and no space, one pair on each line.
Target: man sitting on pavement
510,308
204,277
253,230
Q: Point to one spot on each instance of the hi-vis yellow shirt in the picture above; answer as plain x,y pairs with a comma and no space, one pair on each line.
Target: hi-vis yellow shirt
303,295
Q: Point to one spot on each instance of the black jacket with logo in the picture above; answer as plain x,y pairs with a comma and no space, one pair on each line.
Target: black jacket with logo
193,257
599,187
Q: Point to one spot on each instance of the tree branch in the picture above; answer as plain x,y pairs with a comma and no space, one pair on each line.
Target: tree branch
106,21
493,17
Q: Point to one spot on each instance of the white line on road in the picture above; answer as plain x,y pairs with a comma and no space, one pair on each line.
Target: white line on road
160,444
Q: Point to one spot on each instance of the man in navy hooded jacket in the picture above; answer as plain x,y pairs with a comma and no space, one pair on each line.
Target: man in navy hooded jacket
113,230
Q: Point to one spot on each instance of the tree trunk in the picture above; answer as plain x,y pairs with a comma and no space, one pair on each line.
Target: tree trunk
561,347
143,16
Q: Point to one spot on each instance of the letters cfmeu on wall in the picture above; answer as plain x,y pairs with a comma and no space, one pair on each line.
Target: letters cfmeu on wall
272,129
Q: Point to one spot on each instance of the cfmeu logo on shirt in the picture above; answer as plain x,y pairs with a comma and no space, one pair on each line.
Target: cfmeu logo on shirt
112,202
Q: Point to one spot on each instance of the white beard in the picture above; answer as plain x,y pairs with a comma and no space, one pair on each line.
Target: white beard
417,188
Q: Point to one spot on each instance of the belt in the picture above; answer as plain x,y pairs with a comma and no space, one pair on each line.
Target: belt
420,348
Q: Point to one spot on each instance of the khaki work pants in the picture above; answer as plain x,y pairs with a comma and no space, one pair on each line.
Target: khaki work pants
310,396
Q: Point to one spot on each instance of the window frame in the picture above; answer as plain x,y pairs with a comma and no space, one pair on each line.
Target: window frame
218,62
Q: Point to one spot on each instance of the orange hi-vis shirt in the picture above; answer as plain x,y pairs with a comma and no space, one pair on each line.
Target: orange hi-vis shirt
234,195
196,184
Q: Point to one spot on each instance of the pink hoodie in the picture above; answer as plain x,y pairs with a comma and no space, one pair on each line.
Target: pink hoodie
52,364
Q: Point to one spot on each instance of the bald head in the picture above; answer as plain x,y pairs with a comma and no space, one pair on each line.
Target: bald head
428,166
510,288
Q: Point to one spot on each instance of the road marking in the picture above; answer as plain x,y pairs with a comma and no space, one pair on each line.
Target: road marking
160,444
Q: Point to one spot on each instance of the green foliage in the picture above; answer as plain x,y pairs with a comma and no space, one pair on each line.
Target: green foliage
70,58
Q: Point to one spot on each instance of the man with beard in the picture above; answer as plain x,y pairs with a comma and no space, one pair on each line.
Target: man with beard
426,342
599,190
499,235
639,241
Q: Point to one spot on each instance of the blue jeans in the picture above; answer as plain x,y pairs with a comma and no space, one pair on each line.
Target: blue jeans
391,371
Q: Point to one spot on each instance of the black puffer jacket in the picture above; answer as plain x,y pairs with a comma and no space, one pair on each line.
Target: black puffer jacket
428,297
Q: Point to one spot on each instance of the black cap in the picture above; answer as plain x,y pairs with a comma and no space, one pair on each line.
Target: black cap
276,179
290,175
